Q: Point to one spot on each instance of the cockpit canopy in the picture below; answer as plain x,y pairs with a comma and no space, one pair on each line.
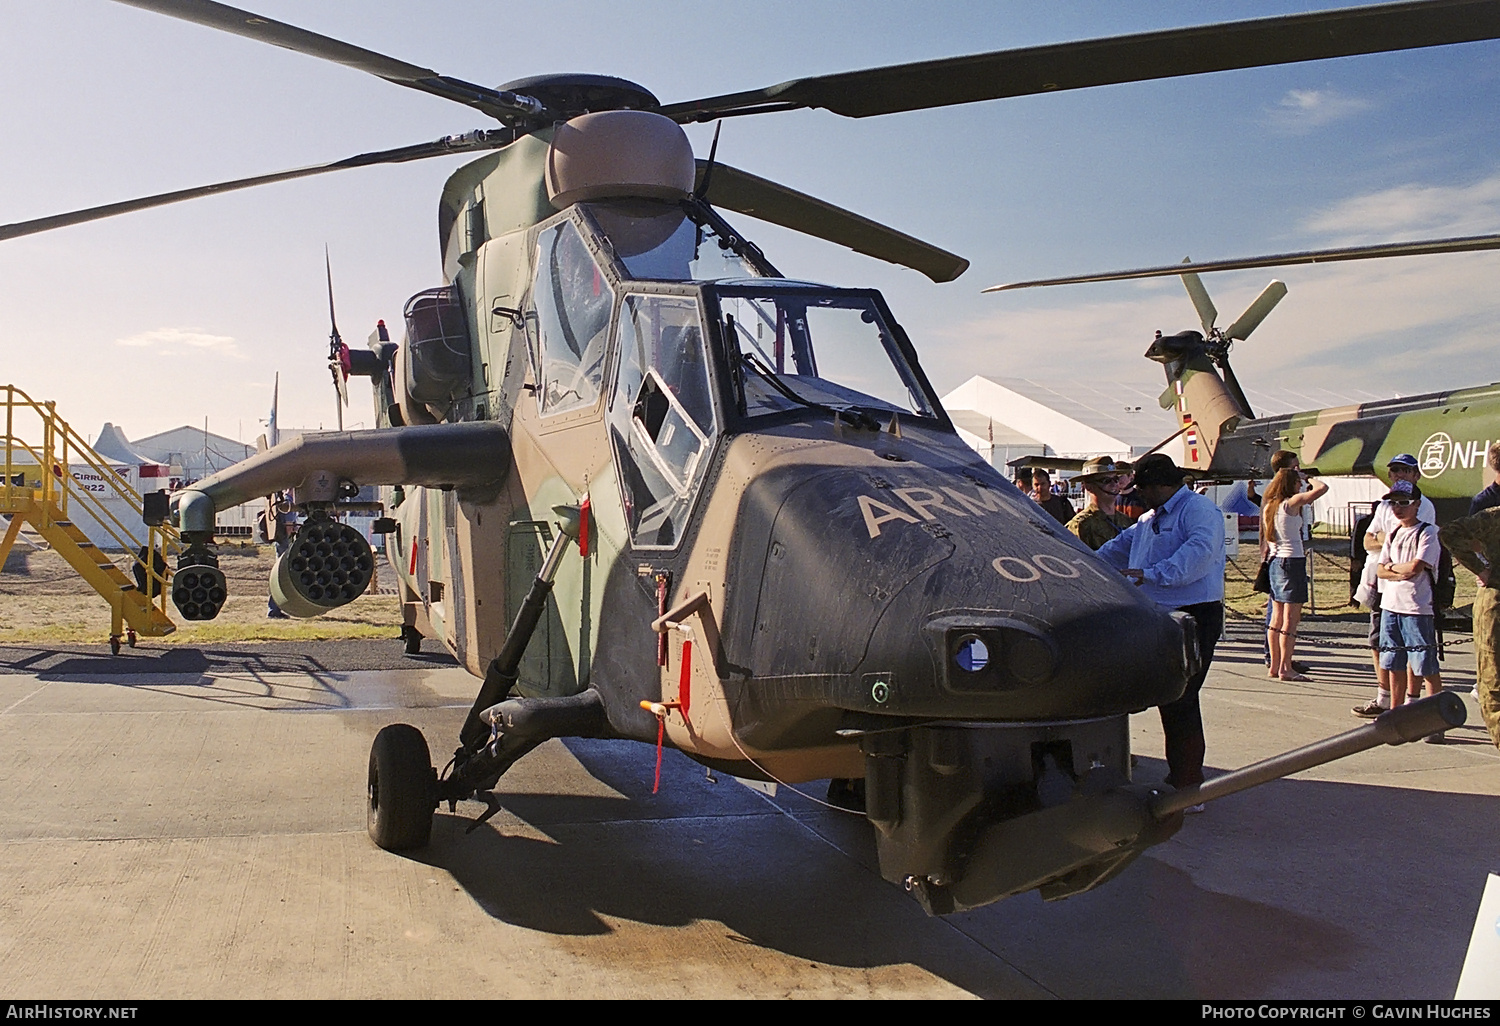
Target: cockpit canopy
687,333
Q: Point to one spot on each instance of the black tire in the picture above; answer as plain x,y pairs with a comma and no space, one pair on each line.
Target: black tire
413,642
114,646
403,789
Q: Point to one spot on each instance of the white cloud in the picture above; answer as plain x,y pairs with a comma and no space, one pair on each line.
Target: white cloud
1302,110
1410,211
172,341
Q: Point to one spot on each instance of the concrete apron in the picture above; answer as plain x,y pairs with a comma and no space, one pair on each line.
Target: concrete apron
202,835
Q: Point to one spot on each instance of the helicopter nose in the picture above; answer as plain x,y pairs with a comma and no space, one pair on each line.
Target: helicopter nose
987,610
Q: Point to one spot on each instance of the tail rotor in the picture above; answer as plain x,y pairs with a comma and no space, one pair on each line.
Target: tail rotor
1218,341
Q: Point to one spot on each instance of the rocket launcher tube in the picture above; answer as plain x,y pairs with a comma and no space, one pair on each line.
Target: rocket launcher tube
1400,725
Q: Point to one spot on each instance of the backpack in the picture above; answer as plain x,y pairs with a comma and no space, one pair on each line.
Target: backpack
1357,554
1445,582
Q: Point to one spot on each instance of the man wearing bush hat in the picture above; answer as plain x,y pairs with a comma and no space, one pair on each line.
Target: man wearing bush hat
1103,479
1175,555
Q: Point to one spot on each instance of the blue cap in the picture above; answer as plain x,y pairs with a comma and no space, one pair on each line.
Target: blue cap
1404,459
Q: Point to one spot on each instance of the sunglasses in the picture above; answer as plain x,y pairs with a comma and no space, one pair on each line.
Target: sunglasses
1403,502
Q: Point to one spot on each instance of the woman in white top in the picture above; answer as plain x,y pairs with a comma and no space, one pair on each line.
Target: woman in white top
1283,512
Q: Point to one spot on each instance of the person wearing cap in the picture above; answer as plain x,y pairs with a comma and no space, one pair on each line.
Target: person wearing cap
1175,555
1103,479
1474,541
1408,627
1402,467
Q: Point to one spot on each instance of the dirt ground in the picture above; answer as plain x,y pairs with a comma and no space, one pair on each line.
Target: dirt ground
43,599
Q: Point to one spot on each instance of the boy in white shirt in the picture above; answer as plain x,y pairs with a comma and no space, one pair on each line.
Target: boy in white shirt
1402,467
1407,563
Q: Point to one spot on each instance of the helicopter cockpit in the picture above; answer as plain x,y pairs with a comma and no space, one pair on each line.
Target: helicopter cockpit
693,334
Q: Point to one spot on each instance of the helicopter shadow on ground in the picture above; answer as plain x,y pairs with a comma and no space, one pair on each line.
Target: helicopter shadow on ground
224,676
1251,899
695,854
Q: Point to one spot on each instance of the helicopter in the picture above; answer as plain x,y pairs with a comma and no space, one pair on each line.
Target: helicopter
1449,432
647,487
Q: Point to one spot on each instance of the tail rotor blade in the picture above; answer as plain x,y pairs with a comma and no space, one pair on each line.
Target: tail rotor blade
1207,312
1257,311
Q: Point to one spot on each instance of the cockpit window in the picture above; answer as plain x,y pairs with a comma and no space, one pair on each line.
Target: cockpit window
661,414
568,323
662,242
825,348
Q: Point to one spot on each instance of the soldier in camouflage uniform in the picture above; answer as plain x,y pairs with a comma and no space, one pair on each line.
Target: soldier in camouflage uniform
1475,543
1104,480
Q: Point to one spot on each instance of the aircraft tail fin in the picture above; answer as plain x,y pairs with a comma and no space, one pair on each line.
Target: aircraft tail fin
1207,406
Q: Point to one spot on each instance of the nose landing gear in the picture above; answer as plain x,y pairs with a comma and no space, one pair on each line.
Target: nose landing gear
402,790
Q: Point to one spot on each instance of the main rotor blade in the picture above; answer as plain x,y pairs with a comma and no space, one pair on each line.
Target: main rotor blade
482,140
1171,53
1256,311
1207,312
497,103
733,189
1464,244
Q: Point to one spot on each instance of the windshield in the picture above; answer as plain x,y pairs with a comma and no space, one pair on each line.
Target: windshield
795,349
659,241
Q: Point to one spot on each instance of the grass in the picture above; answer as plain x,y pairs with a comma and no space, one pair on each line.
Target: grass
1330,572
42,601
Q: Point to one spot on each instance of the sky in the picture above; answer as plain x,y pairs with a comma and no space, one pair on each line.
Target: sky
171,316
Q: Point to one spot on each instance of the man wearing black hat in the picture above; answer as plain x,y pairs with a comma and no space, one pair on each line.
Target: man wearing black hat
1175,554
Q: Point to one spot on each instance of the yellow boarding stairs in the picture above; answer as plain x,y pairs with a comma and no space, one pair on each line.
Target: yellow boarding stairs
42,454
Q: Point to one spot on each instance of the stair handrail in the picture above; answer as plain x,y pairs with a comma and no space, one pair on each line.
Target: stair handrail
60,442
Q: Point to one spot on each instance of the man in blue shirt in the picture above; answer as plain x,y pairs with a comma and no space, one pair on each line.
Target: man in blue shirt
1489,498
1175,555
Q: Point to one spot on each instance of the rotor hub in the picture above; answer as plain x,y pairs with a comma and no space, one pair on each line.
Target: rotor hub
567,96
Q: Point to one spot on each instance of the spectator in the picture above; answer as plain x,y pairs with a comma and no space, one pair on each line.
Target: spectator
1103,479
277,523
1283,525
1023,480
1281,459
1475,543
1402,467
1041,492
1175,554
1408,627
1490,497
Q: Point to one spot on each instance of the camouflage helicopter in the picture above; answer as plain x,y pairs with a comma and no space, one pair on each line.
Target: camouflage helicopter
649,488
1449,432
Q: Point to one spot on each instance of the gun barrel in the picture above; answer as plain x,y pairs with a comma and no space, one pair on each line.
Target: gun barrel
1397,726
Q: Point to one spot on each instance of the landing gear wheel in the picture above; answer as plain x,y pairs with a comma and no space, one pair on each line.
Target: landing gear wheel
114,644
413,639
130,638
403,789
